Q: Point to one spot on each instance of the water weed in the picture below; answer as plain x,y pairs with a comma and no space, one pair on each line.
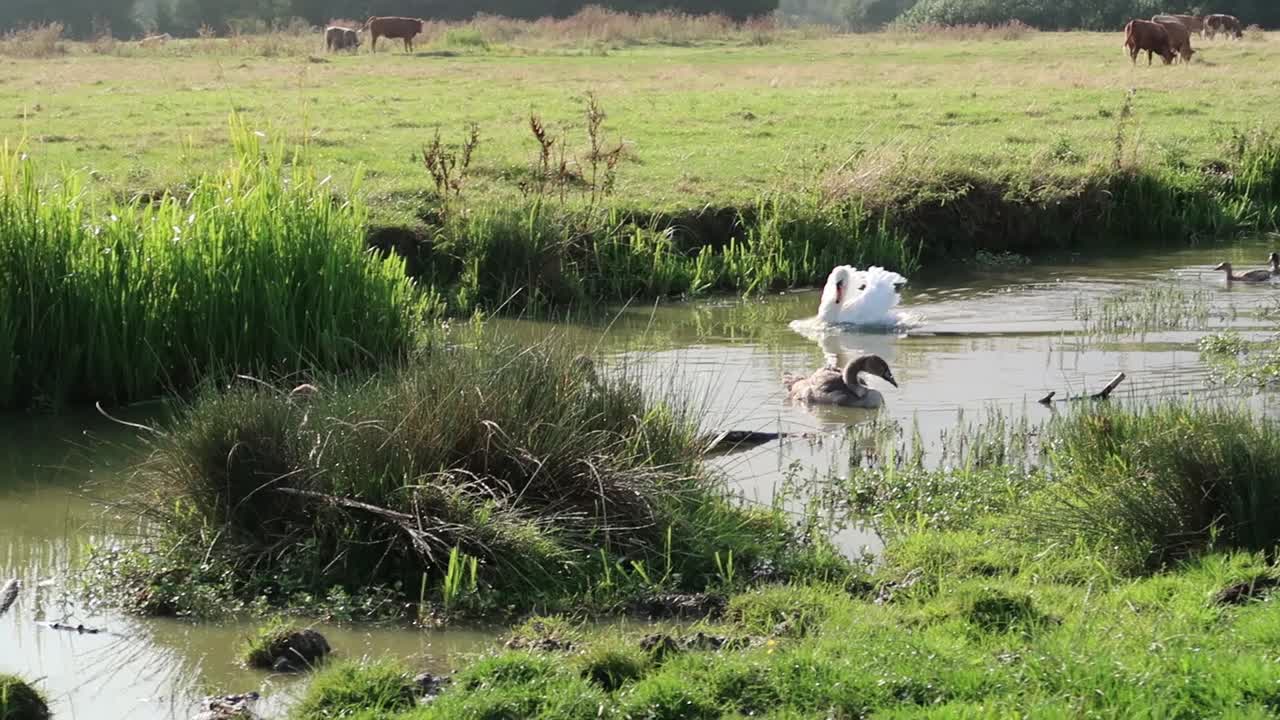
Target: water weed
1147,309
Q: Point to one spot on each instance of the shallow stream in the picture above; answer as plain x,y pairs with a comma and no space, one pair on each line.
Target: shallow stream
993,339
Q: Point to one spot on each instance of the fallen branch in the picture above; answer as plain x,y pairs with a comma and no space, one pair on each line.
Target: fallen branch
8,594
731,440
1102,394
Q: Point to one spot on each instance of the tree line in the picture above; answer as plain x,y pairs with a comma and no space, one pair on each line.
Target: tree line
127,18
1043,14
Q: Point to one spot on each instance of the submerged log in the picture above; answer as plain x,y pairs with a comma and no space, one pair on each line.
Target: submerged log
1102,394
731,440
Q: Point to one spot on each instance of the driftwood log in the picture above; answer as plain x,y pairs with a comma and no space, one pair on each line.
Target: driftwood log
1102,394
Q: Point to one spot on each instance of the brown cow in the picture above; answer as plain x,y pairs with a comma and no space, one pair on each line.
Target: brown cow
394,27
1179,36
340,38
1215,24
1142,35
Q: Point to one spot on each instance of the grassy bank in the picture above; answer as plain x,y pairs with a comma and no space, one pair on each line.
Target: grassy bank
1130,578
529,176
480,479
253,269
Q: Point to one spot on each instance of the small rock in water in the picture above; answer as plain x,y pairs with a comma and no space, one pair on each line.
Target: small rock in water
229,707
298,651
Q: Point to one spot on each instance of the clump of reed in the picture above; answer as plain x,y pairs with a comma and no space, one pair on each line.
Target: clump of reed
540,255
21,701
1158,484
35,41
257,269
348,688
480,474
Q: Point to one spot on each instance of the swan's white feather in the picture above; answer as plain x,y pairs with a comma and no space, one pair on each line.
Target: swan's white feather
870,297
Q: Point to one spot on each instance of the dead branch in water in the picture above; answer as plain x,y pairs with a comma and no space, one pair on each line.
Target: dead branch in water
8,594
1102,394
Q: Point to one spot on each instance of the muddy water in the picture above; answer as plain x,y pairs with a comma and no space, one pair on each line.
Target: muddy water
987,339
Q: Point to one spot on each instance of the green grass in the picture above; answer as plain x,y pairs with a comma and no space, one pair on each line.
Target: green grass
739,167
348,689
254,268
478,478
977,645
1163,483
978,618
20,701
714,123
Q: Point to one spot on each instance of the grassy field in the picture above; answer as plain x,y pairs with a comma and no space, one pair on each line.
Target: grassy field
720,123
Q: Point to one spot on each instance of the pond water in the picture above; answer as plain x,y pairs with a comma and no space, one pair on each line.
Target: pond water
993,339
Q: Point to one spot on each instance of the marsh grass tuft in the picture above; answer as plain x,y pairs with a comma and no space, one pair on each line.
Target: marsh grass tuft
480,476
350,689
1162,483
34,41
256,269
21,701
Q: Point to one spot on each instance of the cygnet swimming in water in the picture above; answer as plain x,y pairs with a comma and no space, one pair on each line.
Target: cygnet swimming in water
829,386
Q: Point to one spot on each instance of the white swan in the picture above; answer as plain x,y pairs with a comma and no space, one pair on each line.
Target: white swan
861,297
829,386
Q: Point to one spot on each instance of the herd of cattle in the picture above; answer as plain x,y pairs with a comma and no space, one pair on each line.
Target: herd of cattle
402,28
1169,36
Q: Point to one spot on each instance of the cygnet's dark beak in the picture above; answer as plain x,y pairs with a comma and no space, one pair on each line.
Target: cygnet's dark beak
888,376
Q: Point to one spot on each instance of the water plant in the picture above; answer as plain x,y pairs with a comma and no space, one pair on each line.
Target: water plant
256,268
1149,308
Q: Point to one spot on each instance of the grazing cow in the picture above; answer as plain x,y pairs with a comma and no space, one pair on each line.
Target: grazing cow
341,38
1179,36
1142,35
1215,24
394,27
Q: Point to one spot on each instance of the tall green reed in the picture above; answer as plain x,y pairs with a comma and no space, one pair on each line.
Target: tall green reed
541,255
257,269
